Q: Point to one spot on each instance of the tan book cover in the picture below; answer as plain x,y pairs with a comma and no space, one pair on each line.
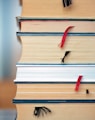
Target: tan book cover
55,8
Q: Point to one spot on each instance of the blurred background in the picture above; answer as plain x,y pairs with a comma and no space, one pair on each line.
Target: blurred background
9,45
10,51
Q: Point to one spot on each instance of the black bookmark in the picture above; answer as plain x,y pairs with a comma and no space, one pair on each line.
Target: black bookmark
66,54
67,3
38,111
87,91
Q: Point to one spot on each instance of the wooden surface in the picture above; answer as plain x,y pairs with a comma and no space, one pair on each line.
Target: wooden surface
59,112
54,8
45,49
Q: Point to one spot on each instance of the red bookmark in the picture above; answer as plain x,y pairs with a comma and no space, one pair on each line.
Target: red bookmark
64,36
78,83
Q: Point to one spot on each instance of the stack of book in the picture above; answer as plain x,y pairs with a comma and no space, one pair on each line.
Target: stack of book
55,74
41,39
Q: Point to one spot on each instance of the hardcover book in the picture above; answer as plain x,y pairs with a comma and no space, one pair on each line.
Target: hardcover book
45,48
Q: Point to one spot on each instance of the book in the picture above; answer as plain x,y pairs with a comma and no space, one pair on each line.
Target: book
53,87
53,92
58,111
50,85
37,73
55,76
55,96
55,8
45,48
55,25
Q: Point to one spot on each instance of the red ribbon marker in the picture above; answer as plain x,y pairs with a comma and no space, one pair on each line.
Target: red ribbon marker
64,36
78,83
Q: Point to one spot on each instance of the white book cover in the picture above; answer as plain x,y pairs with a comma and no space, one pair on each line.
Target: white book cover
55,73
